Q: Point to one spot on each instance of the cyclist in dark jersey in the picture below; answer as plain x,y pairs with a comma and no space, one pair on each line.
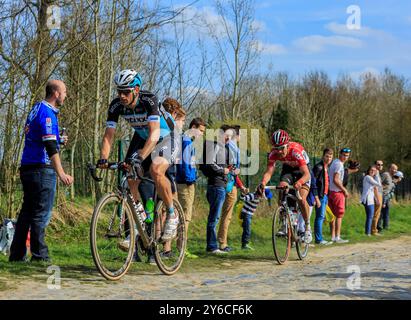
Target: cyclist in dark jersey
150,147
295,171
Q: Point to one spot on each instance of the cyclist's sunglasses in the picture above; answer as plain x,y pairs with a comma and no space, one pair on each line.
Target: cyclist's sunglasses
280,147
126,92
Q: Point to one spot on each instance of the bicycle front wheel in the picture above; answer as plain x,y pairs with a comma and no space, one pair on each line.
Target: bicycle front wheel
281,235
301,247
112,236
169,255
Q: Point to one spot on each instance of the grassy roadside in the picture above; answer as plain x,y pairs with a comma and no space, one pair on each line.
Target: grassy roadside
69,246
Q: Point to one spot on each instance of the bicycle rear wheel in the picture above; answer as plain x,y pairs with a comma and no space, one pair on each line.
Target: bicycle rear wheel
169,255
112,236
281,235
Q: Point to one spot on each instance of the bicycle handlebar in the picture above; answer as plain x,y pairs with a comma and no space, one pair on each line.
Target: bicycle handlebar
297,193
115,166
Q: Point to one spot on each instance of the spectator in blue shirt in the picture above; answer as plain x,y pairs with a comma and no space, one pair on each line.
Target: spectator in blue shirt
39,165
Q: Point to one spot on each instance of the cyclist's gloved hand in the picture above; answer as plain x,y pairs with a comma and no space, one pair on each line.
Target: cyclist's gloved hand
102,163
137,162
135,159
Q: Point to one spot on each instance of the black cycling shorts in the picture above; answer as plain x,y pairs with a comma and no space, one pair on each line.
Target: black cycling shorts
167,148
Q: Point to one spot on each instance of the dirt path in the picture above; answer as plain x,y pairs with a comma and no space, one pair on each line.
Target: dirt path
385,274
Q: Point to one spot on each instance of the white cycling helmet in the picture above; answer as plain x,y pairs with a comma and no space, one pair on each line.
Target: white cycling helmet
399,174
127,79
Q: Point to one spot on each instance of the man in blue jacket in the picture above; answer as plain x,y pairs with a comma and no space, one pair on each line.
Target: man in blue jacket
39,165
186,170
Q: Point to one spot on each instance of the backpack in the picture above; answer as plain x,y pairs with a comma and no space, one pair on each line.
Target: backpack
6,235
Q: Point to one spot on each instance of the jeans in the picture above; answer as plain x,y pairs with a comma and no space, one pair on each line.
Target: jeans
369,211
215,197
39,187
319,219
384,220
245,239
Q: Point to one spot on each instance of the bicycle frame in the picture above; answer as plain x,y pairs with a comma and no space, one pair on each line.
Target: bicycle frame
283,203
125,194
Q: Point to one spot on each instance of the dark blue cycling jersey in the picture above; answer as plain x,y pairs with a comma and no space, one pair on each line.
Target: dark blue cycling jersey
41,125
147,110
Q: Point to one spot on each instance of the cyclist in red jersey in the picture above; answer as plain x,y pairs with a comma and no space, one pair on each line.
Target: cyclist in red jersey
294,172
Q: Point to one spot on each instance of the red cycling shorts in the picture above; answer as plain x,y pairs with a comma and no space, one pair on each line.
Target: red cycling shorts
336,202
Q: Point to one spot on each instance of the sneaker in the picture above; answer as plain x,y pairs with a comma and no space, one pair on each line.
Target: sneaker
166,255
217,251
340,240
247,247
190,255
125,244
170,229
377,234
151,260
325,243
226,249
308,236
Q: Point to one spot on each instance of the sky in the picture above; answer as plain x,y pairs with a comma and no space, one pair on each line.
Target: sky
299,36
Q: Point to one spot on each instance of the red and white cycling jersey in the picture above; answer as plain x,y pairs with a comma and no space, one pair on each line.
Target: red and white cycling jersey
296,156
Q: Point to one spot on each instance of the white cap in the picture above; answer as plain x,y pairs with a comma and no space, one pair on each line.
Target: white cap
399,174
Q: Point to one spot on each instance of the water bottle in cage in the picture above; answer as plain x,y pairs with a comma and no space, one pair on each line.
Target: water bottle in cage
140,211
139,208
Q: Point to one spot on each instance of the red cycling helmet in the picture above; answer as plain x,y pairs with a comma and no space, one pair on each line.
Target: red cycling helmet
280,138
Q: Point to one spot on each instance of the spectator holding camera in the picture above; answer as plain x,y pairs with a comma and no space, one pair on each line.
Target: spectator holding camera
388,187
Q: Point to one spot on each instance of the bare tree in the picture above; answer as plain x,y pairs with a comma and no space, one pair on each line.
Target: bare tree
237,50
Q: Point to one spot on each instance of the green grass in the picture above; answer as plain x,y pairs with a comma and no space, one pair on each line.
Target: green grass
70,250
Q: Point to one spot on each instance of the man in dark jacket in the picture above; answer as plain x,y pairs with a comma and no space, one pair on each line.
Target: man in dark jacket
320,171
215,168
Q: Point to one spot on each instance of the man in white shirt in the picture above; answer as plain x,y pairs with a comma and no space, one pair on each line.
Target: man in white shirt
337,194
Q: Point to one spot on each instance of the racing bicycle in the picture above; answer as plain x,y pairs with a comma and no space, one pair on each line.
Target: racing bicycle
120,228
285,227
